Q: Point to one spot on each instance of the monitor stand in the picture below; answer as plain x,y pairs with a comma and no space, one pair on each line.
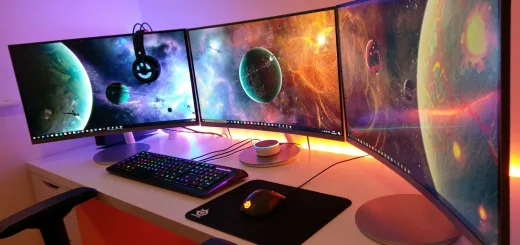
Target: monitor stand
117,153
287,154
405,219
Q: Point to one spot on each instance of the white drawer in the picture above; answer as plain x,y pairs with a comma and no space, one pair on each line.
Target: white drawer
44,189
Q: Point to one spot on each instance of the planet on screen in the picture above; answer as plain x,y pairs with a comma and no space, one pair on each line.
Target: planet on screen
422,89
81,84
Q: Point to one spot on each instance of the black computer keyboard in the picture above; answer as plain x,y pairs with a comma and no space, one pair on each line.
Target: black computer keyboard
182,175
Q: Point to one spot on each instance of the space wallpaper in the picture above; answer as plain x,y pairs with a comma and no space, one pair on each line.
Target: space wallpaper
281,70
422,89
88,83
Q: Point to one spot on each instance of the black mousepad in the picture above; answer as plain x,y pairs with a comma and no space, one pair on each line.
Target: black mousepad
294,221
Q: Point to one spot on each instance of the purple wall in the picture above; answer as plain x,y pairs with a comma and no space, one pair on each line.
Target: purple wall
32,21
170,14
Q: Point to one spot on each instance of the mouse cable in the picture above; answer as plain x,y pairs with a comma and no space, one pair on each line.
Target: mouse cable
190,132
322,171
230,150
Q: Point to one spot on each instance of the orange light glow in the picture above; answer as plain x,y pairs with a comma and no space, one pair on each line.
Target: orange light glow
456,151
482,213
321,144
247,204
514,170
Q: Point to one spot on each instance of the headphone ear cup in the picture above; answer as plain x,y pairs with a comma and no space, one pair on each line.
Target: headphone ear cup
146,69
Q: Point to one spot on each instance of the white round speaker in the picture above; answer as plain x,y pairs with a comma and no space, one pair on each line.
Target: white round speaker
267,148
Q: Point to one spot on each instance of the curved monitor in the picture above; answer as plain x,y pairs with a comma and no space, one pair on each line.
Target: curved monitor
426,92
276,74
85,87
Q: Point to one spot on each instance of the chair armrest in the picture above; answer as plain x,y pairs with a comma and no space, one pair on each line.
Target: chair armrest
40,214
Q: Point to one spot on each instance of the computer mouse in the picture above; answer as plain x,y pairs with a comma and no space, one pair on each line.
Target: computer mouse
261,202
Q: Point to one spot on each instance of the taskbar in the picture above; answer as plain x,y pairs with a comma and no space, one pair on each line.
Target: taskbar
275,125
380,153
84,132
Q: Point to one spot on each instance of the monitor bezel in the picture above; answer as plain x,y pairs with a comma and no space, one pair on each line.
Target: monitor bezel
273,129
126,128
503,140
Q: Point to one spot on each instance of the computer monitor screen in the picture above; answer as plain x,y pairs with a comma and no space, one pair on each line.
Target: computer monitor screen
86,87
277,74
422,82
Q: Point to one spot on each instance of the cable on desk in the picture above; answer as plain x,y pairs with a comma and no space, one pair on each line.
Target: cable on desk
322,171
222,149
194,132
238,147
239,150
291,143
231,153
201,132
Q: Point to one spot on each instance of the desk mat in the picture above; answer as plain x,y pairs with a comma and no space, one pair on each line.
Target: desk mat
294,221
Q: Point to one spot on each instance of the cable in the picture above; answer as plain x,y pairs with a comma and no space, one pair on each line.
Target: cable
291,143
239,150
136,24
149,26
141,27
221,150
243,144
322,171
196,131
180,131
229,131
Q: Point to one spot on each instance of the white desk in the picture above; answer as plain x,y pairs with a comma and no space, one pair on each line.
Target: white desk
360,181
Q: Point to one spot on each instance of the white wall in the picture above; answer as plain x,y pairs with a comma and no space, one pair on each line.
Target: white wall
43,20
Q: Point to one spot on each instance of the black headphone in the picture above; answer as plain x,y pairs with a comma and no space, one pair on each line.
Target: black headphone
145,68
